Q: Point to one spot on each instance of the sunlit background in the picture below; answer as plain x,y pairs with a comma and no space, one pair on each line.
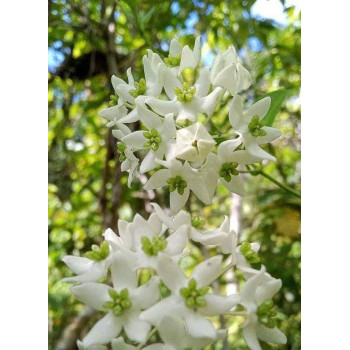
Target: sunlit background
91,40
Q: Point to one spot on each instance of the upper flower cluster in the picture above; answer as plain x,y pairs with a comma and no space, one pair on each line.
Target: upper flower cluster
156,245
169,106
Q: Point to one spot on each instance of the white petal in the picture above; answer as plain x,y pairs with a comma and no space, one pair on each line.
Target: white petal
156,312
146,295
207,271
226,149
172,331
177,200
166,219
116,81
158,179
170,83
259,108
267,290
175,47
270,335
171,273
119,344
132,117
92,294
123,274
188,60
249,288
155,223
177,241
244,157
198,326
251,338
96,272
244,78
161,106
235,185
148,163
103,331
208,103
78,264
135,139
136,329
149,118
113,112
218,304
203,83
227,78
271,134
236,111
258,152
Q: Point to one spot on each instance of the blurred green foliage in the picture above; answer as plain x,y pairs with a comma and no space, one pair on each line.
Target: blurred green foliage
88,41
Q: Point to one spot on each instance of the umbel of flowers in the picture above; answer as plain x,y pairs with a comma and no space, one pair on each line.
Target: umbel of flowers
173,145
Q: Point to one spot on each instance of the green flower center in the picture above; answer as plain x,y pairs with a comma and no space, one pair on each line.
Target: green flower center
154,139
186,93
140,88
154,246
98,253
227,170
120,302
113,100
121,147
249,254
266,315
178,183
173,61
255,127
193,296
197,222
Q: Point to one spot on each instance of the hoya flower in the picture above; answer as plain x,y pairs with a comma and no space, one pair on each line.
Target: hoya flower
90,268
256,298
183,57
128,161
193,143
228,72
157,139
190,299
122,303
182,179
186,101
250,126
114,115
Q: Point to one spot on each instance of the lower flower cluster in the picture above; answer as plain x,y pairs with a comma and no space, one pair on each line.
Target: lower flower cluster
177,306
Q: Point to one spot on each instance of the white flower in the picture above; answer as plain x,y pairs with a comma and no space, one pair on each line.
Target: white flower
157,139
114,115
182,218
228,72
153,67
250,126
181,178
186,101
222,237
190,300
193,143
256,298
123,303
90,268
183,57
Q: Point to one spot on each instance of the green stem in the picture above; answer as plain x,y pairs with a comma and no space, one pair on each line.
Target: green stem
150,334
285,187
226,268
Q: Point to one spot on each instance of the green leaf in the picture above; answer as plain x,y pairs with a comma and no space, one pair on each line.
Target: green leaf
277,99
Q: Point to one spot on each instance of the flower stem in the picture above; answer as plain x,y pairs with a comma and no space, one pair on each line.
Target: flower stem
150,334
226,268
234,313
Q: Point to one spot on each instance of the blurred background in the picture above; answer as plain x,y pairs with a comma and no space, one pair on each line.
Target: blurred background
89,40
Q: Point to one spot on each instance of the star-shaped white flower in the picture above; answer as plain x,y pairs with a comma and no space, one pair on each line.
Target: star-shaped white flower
193,143
183,57
228,72
157,139
250,126
182,179
123,303
186,101
190,300
256,298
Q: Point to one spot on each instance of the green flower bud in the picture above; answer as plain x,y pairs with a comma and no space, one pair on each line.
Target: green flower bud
153,247
154,139
197,222
140,88
255,127
186,93
227,170
192,296
178,183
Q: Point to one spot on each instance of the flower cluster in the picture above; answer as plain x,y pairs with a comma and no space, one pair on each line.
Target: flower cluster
170,138
155,247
